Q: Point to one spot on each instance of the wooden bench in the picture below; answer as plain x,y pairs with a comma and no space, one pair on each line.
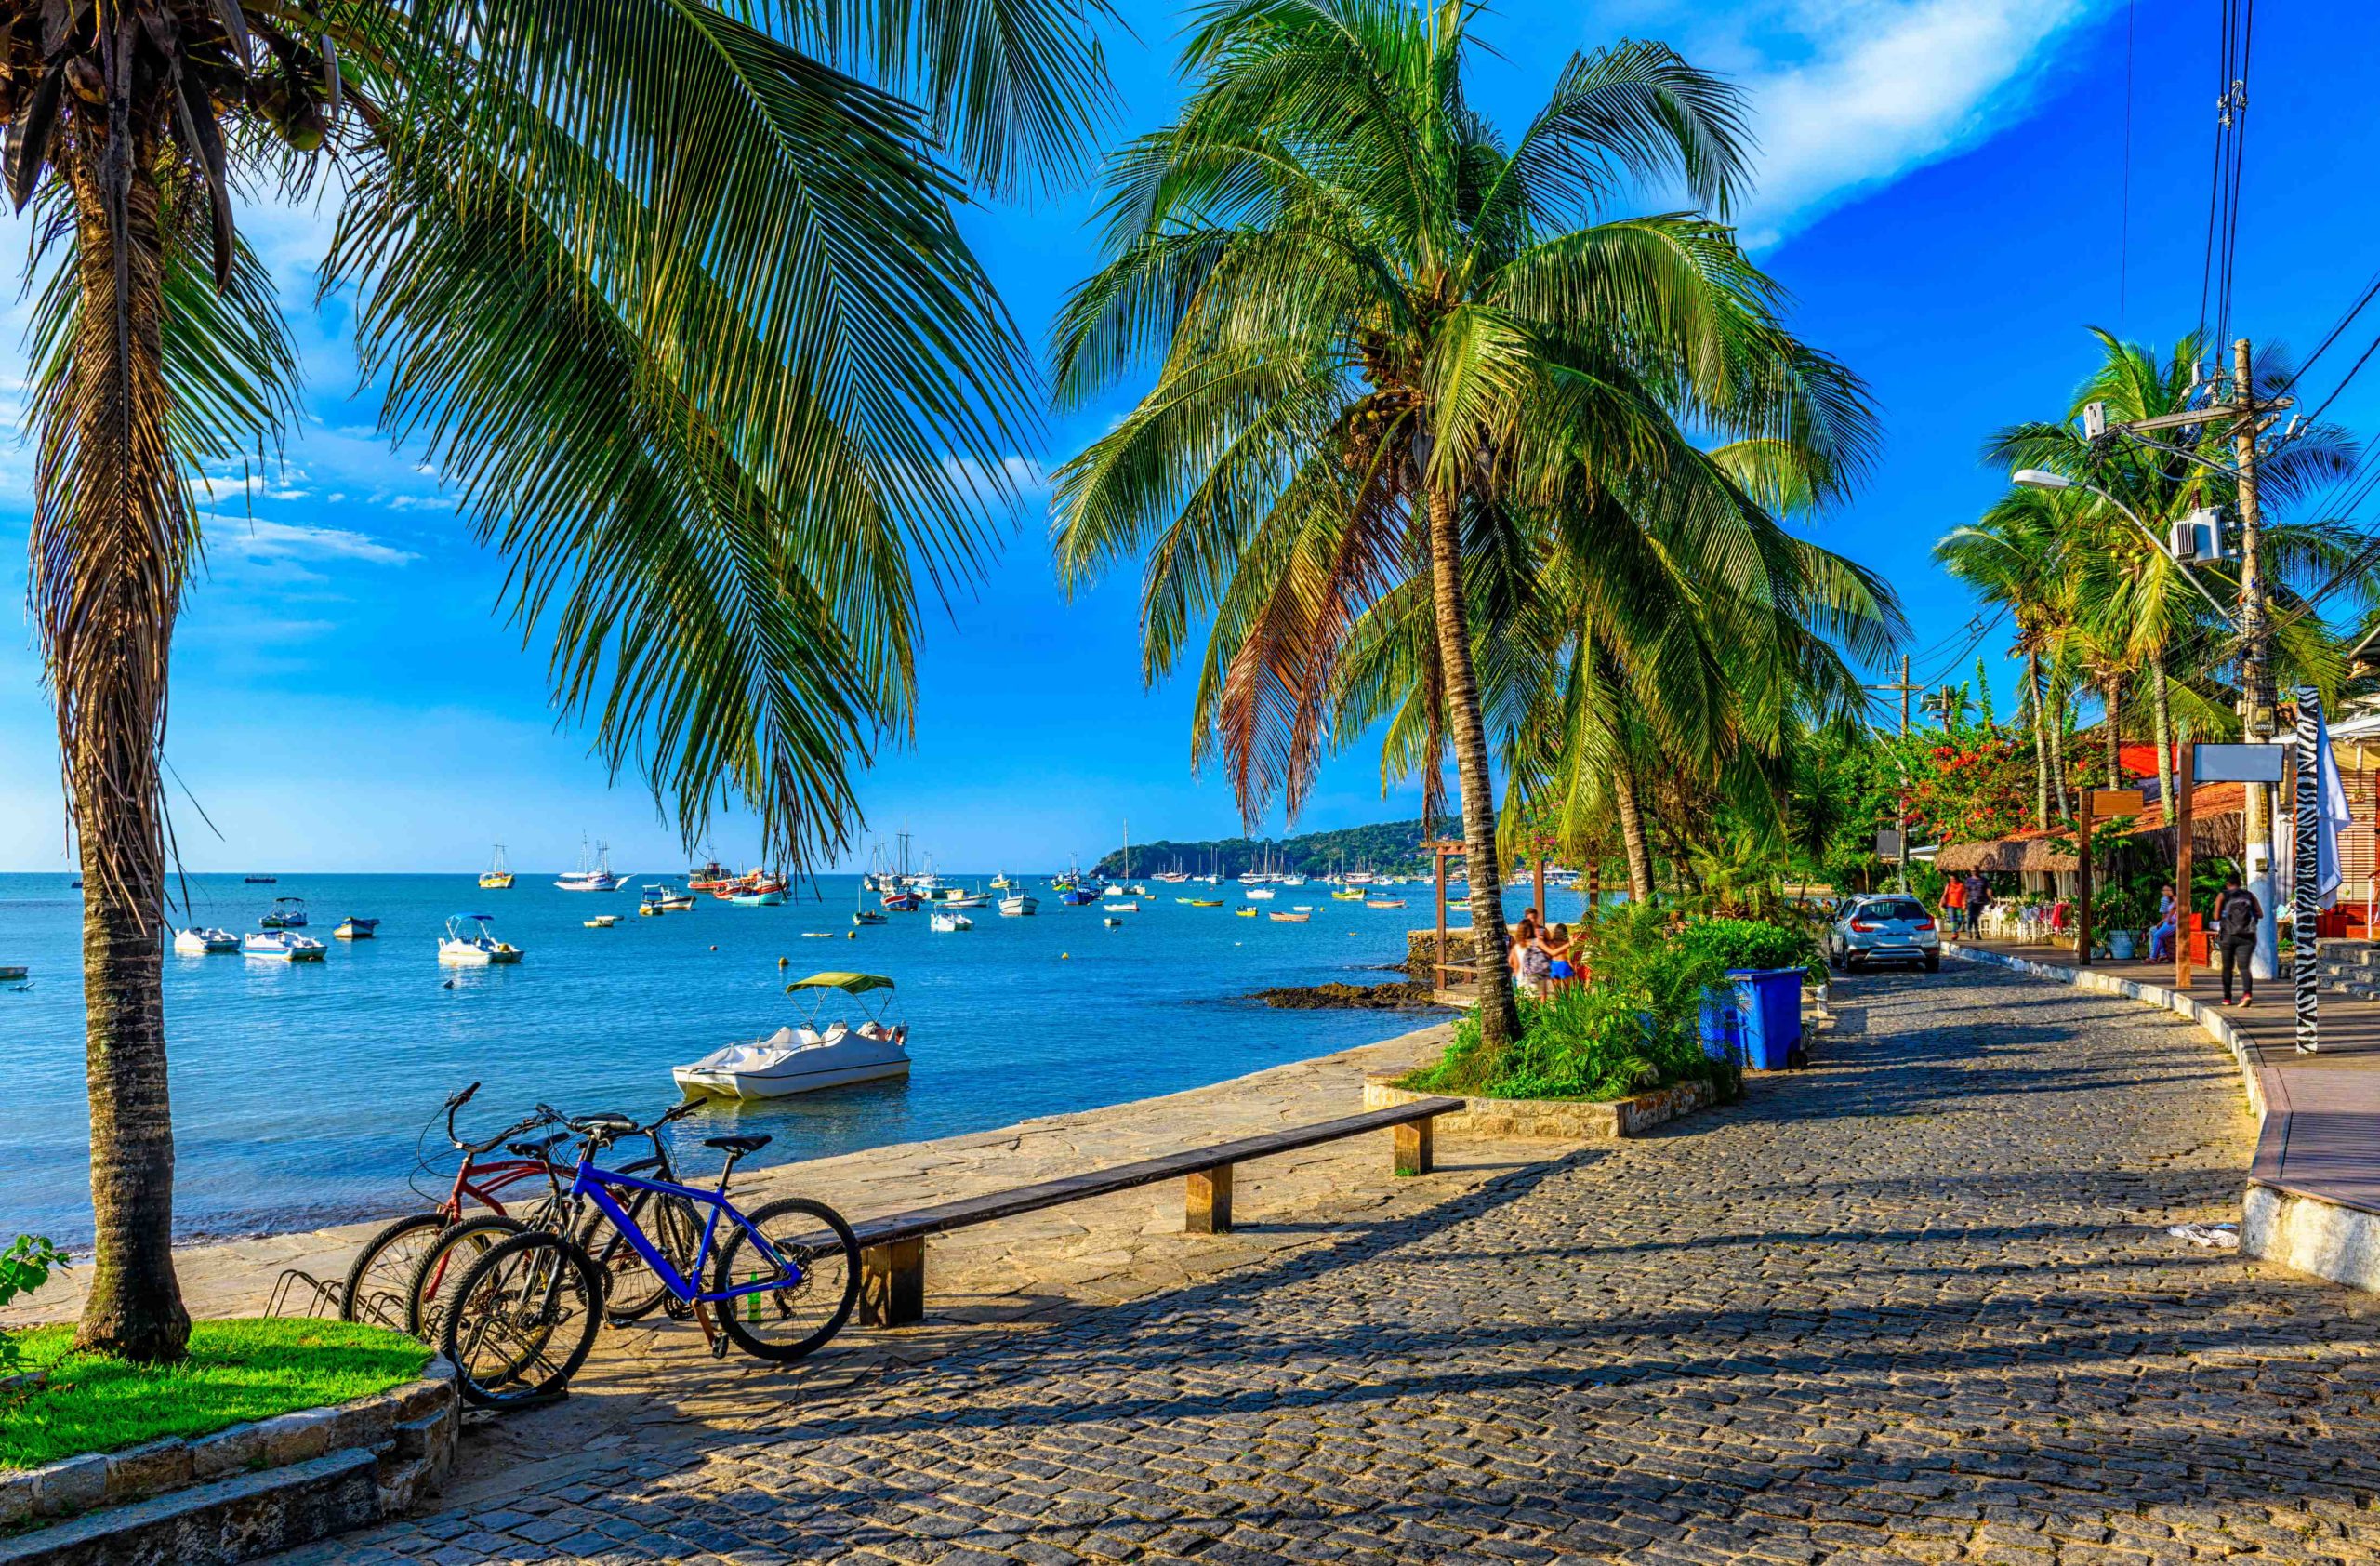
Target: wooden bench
893,1248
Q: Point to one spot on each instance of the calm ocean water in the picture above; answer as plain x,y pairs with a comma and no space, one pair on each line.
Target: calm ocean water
301,1090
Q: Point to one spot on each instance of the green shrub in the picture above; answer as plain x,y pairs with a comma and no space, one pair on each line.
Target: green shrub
25,1266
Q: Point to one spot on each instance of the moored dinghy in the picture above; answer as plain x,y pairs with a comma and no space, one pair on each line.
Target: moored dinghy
201,941
282,946
470,943
809,1057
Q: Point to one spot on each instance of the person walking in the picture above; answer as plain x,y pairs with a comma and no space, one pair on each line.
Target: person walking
1978,899
1955,904
2236,915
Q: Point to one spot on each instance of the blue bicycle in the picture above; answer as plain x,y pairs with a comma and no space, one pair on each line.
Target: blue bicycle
523,1318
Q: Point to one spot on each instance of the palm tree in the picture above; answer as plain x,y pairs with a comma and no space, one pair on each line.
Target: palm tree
1386,341
673,299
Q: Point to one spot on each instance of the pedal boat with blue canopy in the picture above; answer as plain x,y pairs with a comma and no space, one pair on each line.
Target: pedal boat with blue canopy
812,1055
470,943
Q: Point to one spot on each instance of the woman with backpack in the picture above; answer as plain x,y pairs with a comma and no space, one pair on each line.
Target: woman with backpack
2237,913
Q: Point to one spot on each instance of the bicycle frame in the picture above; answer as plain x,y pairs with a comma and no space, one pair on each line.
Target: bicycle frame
590,1183
480,1182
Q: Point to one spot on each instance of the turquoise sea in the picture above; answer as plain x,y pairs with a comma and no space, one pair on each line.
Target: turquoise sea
302,1092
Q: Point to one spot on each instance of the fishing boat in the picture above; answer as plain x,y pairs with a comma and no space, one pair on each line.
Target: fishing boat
354,929
1000,883
252,879
1124,907
286,913
708,876
13,973
198,941
861,914
1113,922
665,898
470,943
1348,894
767,896
1289,918
968,899
1383,902
1204,902
902,902
1019,905
946,924
1076,897
602,922
282,946
497,877
594,871
1241,912
809,1057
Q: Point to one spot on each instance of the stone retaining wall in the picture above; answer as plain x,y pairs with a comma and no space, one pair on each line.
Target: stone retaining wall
239,1492
1422,953
1567,1119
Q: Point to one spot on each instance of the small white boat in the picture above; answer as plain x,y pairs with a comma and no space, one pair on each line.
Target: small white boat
947,923
282,946
966,900
352,929
1123,908
287,913
1113,922
602,922
1002,883
201,941
772,898
475,947
806,1058
1019,907
666,898
1258,893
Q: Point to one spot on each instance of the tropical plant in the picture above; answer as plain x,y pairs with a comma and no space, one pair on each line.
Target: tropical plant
674,301
1397,359
25,1266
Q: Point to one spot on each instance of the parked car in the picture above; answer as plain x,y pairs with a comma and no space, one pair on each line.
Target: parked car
1884,927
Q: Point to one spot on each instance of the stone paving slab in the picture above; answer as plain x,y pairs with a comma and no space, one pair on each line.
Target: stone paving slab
1915,1305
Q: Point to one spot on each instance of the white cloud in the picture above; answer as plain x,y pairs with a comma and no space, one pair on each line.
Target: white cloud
1846,94
262,541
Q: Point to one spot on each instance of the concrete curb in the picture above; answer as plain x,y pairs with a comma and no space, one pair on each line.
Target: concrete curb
2296,1228
1566,1118
243,1491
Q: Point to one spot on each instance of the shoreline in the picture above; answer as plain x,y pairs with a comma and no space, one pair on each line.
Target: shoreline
234,1276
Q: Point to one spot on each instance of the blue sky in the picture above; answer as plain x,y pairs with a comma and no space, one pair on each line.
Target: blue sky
1940,189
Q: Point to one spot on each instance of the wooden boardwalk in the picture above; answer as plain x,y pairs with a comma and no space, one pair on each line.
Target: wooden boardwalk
2325,1135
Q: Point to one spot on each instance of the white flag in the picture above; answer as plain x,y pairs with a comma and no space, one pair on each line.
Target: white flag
2331,811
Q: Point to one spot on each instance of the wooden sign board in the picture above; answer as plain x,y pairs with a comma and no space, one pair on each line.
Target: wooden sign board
2117,801
2237,763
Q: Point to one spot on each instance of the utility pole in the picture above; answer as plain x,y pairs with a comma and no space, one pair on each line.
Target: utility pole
1906,687
2256,716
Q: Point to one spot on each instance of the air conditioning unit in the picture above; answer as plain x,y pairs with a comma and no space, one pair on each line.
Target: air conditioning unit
2197,537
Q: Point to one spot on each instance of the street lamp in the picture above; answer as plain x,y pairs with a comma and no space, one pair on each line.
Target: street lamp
2041,478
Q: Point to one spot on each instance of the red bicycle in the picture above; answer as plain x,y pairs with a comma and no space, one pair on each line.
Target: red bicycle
379,1285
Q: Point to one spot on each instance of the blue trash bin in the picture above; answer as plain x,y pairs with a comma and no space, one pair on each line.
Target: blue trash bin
1723,1025
1768,1002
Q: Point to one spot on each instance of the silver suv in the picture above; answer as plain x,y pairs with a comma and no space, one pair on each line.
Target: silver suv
1882,927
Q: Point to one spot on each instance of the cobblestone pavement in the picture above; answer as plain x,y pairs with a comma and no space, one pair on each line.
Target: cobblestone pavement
1915,1305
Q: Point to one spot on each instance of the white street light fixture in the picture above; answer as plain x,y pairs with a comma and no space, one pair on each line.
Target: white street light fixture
2038,478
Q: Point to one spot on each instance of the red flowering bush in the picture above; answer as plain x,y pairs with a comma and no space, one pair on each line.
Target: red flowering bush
1964,790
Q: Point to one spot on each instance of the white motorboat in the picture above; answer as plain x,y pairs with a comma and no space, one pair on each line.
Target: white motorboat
1124,907
1019,907
468,942
966,900
282,946
287,913
810,1056
1256,893
946,924
201,941
600,921
594,871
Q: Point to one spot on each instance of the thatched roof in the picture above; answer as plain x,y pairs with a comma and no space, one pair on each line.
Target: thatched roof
2216,817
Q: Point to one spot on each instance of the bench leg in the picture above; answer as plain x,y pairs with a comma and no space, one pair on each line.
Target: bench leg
893,1283
1206,1209
1415,1147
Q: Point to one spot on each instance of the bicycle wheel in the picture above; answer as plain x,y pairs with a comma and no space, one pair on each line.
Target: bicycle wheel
632,1289
817,1246
521,1319
379,1280
443,1262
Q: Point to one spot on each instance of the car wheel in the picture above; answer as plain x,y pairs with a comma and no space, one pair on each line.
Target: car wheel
1834,961
1934,964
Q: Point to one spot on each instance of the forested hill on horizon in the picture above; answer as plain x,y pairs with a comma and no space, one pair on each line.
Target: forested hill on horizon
1392,845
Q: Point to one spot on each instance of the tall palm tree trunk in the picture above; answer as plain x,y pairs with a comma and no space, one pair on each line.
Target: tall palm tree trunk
112,553
1500,1018
2039,701
2161,714
2112,694
1632,834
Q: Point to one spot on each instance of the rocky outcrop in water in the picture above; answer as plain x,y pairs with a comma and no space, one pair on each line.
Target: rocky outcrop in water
1348,997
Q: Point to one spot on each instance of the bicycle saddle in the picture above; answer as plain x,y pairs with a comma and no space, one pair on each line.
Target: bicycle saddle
543,1146
738,1144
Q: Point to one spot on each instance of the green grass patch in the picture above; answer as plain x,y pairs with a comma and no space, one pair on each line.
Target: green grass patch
237,1371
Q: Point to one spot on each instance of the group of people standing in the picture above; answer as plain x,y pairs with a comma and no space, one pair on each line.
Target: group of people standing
1538,953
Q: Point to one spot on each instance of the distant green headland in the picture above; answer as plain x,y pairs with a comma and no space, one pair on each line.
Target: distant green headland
1392,845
